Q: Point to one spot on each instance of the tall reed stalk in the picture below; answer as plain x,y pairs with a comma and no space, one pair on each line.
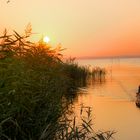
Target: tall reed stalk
34,87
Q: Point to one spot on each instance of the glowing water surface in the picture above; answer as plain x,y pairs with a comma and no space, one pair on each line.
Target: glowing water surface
113,100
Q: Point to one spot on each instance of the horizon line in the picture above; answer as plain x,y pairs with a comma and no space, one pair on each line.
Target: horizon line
107,57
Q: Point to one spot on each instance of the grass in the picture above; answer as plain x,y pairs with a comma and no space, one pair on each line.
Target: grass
35,86
69,128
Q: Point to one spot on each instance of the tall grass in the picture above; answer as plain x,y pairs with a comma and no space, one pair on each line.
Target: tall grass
71,129
34,87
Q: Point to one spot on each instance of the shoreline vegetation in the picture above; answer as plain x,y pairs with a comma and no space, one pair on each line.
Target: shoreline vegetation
36,85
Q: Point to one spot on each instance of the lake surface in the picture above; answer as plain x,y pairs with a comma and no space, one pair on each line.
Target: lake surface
113,100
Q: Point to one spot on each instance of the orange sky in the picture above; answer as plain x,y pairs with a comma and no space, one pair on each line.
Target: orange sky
92,28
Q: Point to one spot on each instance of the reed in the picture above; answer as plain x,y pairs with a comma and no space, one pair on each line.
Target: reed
82,129
34,87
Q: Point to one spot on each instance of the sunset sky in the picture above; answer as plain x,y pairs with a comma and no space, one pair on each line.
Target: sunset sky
87,28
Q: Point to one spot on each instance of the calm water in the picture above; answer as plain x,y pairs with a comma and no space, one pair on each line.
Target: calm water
113,100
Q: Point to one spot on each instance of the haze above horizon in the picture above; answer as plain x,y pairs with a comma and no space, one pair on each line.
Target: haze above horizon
93,28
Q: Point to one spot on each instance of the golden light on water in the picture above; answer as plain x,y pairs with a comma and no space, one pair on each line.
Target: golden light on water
46,39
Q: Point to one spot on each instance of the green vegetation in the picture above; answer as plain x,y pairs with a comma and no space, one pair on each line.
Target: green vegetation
80,128
34,88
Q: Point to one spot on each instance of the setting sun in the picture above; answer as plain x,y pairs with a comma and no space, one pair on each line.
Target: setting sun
46,39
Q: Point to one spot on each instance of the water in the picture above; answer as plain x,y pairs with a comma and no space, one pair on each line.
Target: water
113,100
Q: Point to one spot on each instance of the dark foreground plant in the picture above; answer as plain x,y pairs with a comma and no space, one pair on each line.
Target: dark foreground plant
34,88
77,128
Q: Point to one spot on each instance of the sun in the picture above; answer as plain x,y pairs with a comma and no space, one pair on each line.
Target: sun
46,39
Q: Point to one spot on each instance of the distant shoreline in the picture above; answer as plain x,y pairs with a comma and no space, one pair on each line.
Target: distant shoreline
108,57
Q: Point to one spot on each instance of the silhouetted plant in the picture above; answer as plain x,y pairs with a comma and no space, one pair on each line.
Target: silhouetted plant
69,129
34,87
